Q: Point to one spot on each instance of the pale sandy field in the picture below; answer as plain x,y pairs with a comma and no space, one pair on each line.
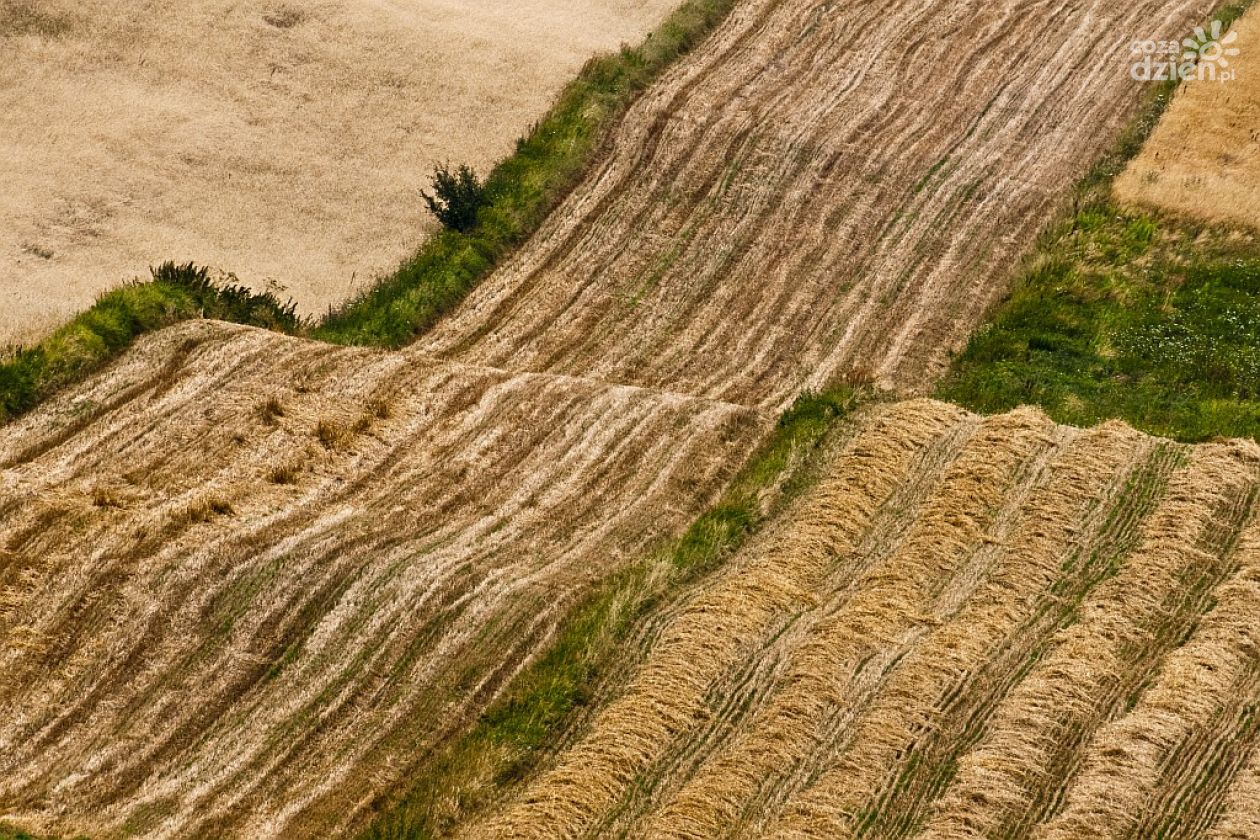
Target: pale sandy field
1204,158
283,143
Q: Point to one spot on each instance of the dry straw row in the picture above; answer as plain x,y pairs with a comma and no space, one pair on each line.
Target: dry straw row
667,697
1127,758
1241,817
1063,694
909,706
887,602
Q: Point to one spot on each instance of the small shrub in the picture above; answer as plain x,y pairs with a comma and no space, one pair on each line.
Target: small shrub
176,293
457,196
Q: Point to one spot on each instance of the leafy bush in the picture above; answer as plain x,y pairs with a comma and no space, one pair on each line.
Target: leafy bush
457,196
230,300
521,190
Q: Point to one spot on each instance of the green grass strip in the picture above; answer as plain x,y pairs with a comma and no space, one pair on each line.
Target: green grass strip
176,293
509,740
1128,316
522,190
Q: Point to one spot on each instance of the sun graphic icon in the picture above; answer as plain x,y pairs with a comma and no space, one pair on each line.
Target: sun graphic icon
1209,47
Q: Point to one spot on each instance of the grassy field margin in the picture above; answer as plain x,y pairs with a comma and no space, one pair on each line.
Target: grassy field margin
509,741
175,293
522,190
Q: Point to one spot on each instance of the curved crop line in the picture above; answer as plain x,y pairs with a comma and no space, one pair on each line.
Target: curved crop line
908,708
1063,694
666,698
1126,758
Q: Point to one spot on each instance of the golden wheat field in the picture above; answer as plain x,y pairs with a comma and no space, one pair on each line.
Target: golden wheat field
971,627
1204,157
249,582
282,142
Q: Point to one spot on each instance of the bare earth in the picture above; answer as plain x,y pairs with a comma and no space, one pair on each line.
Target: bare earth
283,143
1204,157
246,580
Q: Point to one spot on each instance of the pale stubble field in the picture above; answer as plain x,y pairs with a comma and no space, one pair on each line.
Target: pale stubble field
285,143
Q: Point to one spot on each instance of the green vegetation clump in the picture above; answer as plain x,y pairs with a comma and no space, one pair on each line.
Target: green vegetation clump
517,196
520,191
175,293
512,736
457,197
1124,314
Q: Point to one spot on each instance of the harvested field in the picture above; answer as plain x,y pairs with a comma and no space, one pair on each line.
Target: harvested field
247,582
283,142
970,627
243,605
820,188
1204,158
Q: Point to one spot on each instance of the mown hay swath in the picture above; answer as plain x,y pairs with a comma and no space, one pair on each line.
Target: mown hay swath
1129,757
956,676
328,626
919,698
667,698
790,204
867,622
818,188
